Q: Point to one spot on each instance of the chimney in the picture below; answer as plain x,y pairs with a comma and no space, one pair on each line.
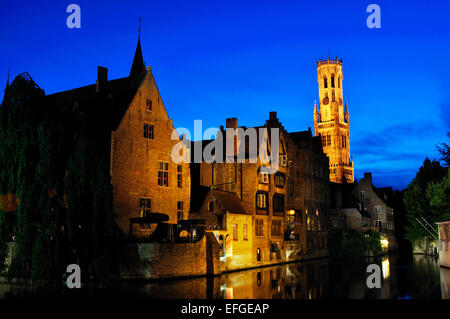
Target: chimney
368,177
232,122
273,115
102,77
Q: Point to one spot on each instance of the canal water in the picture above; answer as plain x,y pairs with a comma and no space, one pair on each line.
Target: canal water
420,278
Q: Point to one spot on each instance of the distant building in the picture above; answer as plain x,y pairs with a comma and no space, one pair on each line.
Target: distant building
361,206
331,121
346,212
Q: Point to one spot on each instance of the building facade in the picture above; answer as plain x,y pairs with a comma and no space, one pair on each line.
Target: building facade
145,179
331,121
375,202
262,195
309,192
131,115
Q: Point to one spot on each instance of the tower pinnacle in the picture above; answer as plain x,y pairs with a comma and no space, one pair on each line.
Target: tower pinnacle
138,66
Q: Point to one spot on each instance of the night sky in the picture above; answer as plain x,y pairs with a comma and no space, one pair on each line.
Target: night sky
217,59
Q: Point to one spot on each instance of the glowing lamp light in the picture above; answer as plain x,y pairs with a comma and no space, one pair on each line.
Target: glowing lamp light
384,243
292,212
385,268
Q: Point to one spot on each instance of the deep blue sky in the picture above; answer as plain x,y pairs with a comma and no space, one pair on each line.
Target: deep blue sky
217,59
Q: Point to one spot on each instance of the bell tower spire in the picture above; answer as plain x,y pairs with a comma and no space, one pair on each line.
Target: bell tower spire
138,66
331,120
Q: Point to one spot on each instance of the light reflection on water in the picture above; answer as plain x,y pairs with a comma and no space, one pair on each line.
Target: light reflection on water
313,279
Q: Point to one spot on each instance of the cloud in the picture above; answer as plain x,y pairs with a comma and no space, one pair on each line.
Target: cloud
394,153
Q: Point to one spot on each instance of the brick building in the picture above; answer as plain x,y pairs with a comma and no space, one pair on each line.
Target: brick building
308,192
137,132
261,194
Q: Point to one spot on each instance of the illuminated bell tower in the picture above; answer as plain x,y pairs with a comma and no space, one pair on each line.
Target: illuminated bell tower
331,120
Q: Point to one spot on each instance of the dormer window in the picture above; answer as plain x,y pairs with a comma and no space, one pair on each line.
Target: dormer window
264,177
283,160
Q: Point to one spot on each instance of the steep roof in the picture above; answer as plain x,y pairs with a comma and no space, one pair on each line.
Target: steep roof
105,100
110,101
229,201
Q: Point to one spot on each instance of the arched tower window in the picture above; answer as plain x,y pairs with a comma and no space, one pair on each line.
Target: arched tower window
332,80
325,82
339,82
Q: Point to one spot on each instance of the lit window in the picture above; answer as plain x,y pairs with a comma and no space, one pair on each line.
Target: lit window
261,200
145,208
283,160
148,105
264,177
245,236
163,174
235,231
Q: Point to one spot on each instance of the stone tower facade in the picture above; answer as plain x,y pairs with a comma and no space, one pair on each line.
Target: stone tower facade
331,120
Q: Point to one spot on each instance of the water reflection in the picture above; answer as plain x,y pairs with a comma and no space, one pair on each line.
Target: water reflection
445,283
422,278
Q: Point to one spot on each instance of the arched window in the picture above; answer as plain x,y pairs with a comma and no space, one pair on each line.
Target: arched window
325,82
339,82
332,80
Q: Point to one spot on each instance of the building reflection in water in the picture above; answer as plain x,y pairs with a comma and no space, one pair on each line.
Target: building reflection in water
445,282
315,279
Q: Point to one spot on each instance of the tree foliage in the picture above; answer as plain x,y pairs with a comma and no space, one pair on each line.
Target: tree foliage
426,197
355,244
59,181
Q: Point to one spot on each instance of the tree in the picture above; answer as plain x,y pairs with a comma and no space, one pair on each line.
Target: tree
444,150
21,113
416,202
55,189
